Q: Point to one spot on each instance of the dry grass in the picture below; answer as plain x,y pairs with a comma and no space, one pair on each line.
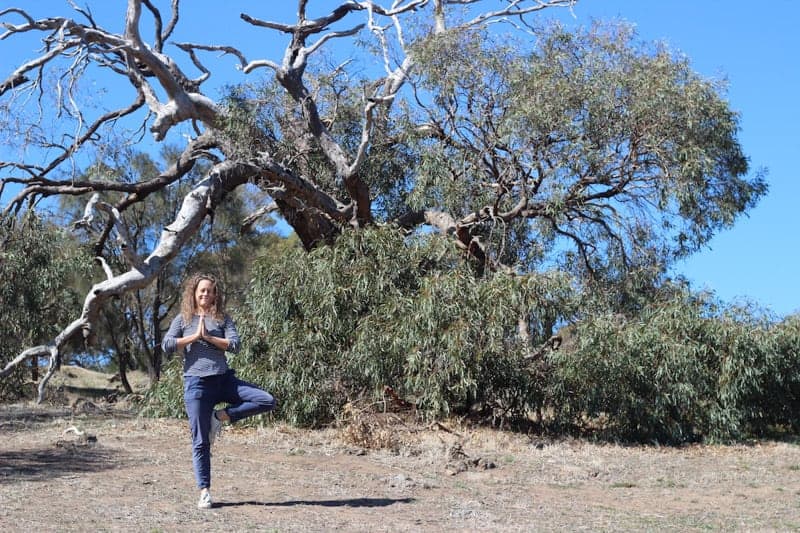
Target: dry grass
85,379
377,472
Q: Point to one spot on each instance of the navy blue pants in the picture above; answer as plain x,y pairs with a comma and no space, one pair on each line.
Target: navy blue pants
201,394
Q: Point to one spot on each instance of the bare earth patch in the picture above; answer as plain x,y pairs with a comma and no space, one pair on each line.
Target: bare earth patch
126,473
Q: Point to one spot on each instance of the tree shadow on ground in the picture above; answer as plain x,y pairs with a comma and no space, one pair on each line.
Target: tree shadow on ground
351,502
46,463
17,414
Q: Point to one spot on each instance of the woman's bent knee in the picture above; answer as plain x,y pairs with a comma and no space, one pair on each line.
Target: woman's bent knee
267,401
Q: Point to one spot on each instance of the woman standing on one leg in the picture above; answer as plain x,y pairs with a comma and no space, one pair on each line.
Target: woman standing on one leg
204,332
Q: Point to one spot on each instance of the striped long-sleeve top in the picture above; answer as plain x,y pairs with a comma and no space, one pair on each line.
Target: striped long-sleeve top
202,358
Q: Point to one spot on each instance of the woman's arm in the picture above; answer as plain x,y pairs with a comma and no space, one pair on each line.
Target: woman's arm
219,342
172,342
228,343
189,339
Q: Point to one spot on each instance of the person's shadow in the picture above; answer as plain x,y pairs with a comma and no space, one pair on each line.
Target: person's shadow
352,502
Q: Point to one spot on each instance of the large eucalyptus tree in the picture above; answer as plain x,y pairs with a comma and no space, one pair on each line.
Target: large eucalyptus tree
585,149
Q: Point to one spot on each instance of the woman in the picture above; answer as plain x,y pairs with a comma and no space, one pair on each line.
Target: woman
204,332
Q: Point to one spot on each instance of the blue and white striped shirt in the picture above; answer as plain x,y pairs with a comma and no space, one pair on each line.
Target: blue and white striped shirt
202,358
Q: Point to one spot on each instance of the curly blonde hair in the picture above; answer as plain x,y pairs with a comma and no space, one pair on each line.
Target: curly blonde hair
188,307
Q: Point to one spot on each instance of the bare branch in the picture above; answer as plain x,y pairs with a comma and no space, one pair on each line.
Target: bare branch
206,73
306,27
160,35
259,64
173,21
251,219
10,27
123,237
302,188
290,76
158,38
35,351
106,268
301,9
183,104
285,28
88,213
85,12
13,82
18,77
137,192
443,222
516,9
366,129
438,17
398,9
189,47
332,35
41,185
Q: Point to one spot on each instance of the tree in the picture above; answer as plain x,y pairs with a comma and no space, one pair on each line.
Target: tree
587,146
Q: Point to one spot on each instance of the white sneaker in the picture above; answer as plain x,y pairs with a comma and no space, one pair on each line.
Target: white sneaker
216,429
205,500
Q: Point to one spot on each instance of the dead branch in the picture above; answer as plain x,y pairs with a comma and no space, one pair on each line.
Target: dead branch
251,219
551,344
515,8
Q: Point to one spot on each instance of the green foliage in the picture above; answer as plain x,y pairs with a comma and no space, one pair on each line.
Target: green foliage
165,397
589,150
759,381
649,378
39,264
379,310
683,369
622,155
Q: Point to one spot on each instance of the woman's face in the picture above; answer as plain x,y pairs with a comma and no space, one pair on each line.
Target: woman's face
205,294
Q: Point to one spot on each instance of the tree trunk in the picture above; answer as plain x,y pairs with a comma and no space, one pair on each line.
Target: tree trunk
154,365
124,358
312,228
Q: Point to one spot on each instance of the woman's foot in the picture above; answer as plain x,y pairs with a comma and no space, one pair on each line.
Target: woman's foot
215,429
205,500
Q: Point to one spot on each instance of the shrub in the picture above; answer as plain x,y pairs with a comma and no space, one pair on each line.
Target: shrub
684,369
759,382
338,325
378,310
38,266
165,397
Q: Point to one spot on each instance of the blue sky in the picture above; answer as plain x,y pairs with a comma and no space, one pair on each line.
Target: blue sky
754,45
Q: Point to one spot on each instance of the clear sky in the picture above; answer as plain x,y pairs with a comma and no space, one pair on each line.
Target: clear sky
754,45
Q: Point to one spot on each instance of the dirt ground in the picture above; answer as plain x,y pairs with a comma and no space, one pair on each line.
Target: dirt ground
126,473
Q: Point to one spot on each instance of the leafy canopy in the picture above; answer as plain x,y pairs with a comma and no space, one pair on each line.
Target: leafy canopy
589,149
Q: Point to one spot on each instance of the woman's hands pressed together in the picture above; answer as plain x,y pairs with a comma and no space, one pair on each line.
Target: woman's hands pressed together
200,334
204,335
